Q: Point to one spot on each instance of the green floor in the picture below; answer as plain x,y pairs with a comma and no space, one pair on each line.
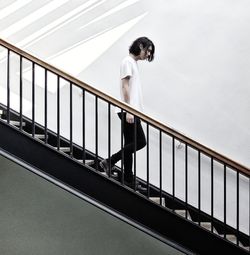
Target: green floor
37,217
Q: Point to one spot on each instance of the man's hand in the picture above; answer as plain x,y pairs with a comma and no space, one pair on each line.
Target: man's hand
129,118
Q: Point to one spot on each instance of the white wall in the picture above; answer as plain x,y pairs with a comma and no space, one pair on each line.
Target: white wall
198,83
200,75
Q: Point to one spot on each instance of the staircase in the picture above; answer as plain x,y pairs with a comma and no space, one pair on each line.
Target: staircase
150,207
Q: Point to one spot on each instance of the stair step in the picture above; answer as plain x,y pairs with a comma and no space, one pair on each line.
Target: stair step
63,149
158,200
244,247
15,122
208,226
183,213
232,238
87,161
38,136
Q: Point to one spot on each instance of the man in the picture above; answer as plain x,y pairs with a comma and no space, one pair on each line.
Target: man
131,93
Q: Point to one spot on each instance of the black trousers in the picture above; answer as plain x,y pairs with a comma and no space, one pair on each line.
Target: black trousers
129,145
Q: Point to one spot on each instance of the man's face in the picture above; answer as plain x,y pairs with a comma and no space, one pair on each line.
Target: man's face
145,53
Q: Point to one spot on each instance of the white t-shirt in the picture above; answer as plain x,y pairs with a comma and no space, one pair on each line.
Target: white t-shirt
129,67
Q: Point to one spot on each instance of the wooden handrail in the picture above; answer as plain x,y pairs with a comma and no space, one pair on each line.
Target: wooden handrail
235,165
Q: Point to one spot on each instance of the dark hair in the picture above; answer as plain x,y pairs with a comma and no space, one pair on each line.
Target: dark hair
145,42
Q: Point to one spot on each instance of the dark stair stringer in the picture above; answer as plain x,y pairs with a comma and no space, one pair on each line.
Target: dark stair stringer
135,206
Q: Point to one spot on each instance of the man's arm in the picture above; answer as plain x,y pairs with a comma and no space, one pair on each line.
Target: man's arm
126,95
125,89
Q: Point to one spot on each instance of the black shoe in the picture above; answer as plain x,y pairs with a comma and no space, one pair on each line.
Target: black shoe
131,183
104,164
136,185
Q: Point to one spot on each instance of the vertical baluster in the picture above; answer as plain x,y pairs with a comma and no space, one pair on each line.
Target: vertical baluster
186,179
123,119
8,86
225,200
237,203
58,113
135,146
21,92
199,186
173,170
160,166
96,132
212,193
83,127
71,120
148,194
33,99
46,105
109,138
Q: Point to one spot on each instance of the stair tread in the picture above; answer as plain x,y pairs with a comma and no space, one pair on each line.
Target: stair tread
87,161
158,200
15,122
64,149
182,212
208,225
246,248
243,246
38,136
231,238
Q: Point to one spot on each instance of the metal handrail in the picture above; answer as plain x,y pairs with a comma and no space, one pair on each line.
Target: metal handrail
155,123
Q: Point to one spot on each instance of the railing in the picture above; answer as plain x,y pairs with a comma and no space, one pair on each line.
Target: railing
193,156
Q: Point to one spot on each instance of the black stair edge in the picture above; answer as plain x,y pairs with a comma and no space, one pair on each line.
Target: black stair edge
84,179
171,203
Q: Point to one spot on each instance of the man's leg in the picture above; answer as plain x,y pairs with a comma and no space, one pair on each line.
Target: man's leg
128,132
129,147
